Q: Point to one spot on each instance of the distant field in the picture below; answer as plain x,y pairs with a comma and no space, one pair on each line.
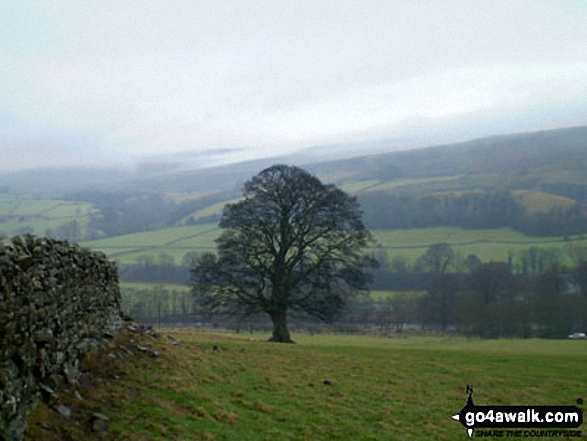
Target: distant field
355,187
540,202
25,213
412,182
153,286
189,196
489,245
326,387
375,185
379,296
175,241
215,209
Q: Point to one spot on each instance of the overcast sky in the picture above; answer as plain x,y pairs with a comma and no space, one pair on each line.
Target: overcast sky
99,81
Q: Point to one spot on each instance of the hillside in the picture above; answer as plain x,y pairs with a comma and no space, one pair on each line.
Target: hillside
553,160
177,245
210,386
533,183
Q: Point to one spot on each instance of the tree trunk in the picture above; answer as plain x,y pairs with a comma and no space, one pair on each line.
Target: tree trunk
280,331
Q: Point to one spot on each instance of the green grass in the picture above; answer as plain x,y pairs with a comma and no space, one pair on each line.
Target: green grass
412,182
379,296
488,244
540,202
157,238
358,186
215,209
378,388
375,185
452,235
153,286
175,241
39,215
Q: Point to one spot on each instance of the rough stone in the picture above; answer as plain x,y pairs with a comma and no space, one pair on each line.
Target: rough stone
99,423
63,410
57,302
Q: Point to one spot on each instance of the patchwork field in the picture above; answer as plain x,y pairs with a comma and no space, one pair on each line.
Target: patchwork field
20,214
489,244
326,387
174,241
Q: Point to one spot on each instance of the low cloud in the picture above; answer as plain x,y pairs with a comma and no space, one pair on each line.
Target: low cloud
121,79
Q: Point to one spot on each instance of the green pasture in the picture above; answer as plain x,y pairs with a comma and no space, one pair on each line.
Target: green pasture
27,205
214,209
381,296
26,213
488,244
157,238
152,287
376,185
424,237
358,186
540,202
174,241
326,387
404,182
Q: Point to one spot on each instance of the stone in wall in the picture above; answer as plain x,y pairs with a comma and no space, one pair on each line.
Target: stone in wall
57,301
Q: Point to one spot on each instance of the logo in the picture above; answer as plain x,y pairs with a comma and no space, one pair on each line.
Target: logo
507,418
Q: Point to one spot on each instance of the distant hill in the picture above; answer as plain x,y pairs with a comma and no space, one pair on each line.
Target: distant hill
535,183
554,161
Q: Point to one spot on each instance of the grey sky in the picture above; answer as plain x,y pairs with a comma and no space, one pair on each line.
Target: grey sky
98,81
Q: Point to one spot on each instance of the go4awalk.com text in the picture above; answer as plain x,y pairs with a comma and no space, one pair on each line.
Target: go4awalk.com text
520,421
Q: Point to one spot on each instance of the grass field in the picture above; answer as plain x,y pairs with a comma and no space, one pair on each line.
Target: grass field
540,202
489,244
155,286
175,241
215,209
375,185
379,296
25,213
326,387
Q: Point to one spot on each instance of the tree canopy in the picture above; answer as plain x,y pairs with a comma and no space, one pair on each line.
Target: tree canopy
292,244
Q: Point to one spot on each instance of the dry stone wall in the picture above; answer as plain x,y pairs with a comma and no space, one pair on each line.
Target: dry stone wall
57,301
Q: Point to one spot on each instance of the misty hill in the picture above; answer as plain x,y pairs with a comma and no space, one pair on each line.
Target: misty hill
555,161
535,183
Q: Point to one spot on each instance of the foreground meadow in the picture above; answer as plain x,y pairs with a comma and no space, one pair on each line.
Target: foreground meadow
215,386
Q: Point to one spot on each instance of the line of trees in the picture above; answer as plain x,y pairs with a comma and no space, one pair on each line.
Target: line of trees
294,248
473,210
159,304
491,302
124,213
441,257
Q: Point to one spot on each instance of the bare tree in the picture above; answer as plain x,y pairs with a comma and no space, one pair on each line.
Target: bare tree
293,244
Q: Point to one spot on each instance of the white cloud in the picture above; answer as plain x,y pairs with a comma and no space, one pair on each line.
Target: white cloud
151,76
